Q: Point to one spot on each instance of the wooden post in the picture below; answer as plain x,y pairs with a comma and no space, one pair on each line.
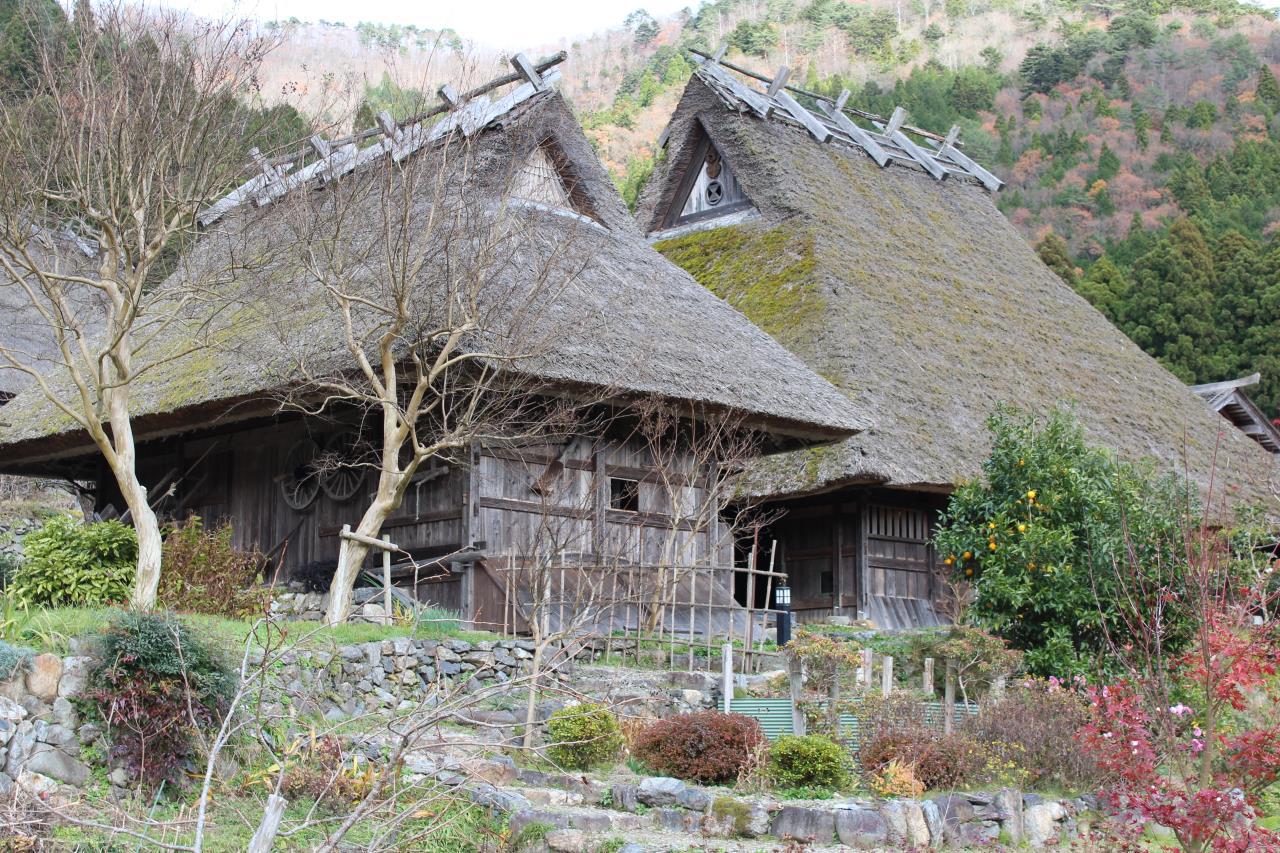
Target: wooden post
868,658
795,682
886,675
928,676
265,835
949,700
726,675
998,689
342,553
386,579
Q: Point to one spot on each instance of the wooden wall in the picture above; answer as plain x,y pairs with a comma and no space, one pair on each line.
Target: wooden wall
860,552
235,477
552,499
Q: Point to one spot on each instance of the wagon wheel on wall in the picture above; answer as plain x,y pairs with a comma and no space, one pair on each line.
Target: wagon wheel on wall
344,474
299,481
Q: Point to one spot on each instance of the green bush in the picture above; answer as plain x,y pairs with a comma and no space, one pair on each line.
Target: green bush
583,736
13,660
808,761
153,683
1040,538
69,563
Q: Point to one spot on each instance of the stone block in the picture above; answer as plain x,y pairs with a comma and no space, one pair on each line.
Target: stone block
660,791
862,829
56,764
1040,822
75,673
816,826
43,676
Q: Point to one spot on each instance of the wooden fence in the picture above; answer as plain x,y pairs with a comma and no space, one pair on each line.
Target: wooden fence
688,611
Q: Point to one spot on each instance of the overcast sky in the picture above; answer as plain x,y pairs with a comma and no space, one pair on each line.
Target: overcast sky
493,23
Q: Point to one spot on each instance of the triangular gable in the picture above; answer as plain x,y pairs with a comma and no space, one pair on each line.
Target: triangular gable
543,179
707,188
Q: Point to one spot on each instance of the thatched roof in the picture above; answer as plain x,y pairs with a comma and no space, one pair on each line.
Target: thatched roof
919,300
629,322
24,332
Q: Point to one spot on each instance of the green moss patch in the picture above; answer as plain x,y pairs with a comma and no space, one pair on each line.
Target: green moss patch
766,273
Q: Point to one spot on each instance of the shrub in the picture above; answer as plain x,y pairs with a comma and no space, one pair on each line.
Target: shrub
69,563
808,761
14,660
318,771
706,746
205,573
896,779
1039,717
938,761
583,736
1040,536
153,682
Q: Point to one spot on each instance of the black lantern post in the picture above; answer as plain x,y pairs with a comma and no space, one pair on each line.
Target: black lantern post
782,598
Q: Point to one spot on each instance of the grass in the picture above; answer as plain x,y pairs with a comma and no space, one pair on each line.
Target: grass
443,827
53,629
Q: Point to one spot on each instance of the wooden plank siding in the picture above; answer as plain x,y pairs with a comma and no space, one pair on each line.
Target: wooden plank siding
863,553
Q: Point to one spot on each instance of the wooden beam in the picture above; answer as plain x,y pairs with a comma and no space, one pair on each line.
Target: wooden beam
526,70
893,129
793,108
779,80
857,134
450,96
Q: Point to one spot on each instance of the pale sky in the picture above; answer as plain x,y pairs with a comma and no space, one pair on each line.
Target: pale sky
493,23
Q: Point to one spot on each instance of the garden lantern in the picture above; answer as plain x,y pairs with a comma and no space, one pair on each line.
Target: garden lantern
782,599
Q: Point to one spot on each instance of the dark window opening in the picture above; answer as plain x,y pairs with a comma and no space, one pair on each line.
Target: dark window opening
826,582
624,494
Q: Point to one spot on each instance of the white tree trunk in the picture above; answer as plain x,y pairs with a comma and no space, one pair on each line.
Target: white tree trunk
353,557
123,463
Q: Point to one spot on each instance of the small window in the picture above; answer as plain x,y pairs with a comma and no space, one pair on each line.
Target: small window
624,494
826,581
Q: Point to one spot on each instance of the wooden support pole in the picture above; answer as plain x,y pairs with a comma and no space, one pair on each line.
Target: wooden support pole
726,675
795,683
868,658
342,554
949,700
927,684
386,579
886,675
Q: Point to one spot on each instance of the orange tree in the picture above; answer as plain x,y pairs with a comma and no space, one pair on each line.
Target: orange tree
1038,539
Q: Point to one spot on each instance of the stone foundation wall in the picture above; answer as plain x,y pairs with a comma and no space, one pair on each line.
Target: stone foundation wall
40,730
394,675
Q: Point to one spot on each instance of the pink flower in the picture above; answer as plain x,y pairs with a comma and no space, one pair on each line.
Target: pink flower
1179,710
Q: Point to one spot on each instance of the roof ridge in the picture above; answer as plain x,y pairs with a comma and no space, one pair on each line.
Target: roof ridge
886,144
470,112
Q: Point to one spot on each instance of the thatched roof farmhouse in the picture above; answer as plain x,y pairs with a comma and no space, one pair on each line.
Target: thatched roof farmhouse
629,325
880,258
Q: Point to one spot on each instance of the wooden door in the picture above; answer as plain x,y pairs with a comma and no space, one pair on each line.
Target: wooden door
899,581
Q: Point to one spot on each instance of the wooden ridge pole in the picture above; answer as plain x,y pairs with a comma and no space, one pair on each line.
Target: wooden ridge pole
764,78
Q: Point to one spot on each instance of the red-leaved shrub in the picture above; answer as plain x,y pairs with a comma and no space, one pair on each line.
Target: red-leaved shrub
706,746
939,761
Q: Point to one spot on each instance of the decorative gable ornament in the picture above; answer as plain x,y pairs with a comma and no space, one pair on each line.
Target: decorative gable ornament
708,188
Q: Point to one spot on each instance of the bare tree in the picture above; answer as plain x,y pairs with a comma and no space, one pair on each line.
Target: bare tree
131,128
436,280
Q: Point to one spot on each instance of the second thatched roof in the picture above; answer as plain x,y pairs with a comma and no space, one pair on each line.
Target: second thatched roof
918,299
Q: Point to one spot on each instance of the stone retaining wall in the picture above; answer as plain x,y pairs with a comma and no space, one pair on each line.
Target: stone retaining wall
40,730
394,675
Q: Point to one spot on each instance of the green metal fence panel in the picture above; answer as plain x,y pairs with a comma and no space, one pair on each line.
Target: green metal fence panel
774,716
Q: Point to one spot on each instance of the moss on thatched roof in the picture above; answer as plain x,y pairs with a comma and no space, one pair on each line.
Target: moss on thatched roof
629,322
919,300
